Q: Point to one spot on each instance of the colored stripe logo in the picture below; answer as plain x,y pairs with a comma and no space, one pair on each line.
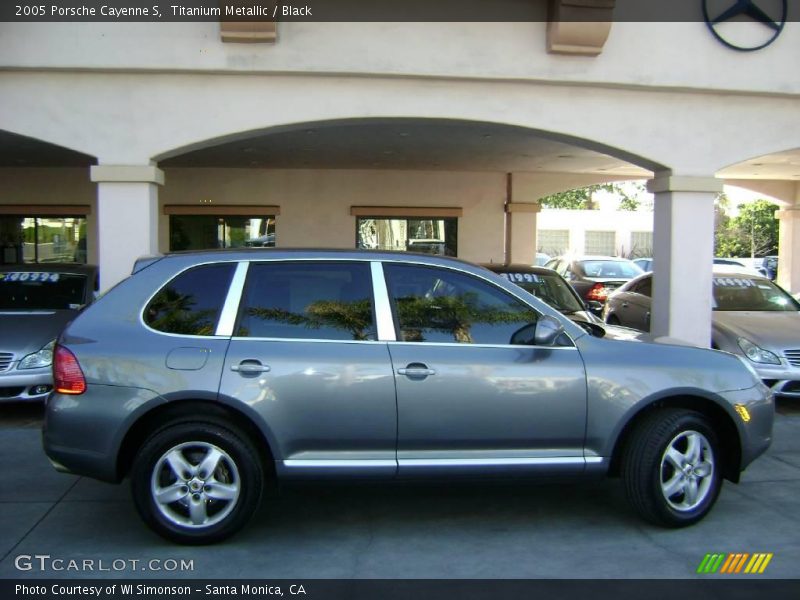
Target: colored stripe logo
735,563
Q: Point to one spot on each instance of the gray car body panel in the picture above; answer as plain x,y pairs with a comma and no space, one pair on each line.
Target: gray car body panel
342,408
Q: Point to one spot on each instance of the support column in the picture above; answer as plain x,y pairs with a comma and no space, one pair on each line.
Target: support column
789,248
521,232
127,217
683,254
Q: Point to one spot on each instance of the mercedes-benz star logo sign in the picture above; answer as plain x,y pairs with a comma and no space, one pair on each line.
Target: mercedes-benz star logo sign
767,16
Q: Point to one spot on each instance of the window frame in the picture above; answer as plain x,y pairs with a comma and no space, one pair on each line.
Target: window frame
242,294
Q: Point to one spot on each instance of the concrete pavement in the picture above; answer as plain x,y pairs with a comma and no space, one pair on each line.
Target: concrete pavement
392,531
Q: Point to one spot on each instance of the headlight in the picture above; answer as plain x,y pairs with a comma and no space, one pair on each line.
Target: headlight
756,353
37,360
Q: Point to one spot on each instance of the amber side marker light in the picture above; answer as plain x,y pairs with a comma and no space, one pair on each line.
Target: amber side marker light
741,409
67,375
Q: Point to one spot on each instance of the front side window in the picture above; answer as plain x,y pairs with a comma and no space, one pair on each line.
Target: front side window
308,300
191,303
439,305
429,236
204,232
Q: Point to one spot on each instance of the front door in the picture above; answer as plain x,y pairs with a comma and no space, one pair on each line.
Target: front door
468,397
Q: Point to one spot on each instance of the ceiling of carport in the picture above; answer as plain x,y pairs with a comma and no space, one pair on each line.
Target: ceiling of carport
411,144
22,151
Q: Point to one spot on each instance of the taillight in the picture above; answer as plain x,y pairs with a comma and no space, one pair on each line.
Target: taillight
67,375
598,293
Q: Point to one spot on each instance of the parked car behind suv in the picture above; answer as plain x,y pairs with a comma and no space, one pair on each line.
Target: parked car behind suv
205,373
752,317
550,287
595,277
36,301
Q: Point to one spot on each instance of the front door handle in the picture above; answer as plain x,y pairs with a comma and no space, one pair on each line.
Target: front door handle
416,370
250,367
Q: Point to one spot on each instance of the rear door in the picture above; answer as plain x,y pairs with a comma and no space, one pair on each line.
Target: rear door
305,356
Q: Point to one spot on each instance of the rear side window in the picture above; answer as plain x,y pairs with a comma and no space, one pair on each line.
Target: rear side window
308,300
190,304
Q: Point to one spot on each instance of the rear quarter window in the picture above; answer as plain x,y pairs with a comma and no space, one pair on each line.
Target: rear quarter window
190,304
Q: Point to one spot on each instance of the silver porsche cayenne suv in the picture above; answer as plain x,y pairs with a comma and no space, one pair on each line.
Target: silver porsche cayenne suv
203,375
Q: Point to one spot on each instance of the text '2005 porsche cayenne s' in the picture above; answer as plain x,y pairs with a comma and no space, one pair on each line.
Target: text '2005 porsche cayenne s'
204,374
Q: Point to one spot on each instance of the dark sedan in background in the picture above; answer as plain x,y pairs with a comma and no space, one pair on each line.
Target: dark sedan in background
595,277
751,317
36,303
549,286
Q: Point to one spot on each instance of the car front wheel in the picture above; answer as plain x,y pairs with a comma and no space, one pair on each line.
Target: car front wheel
671,467
196,482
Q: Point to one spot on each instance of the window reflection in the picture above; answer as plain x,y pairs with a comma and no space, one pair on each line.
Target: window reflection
308,301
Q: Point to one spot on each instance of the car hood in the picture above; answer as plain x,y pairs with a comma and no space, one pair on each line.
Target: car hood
776,330
23,332
613,332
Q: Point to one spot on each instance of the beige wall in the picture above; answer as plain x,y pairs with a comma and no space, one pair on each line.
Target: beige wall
315,204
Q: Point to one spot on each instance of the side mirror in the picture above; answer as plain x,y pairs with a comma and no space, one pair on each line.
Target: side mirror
594,306
548,329
542,333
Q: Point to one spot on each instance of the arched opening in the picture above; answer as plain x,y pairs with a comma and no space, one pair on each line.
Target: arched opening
46,206
775,176
442,185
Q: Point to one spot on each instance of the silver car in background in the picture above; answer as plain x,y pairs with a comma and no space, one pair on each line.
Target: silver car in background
752,317
204,374
36,302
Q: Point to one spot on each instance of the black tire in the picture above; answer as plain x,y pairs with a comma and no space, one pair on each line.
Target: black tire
237,473
650,473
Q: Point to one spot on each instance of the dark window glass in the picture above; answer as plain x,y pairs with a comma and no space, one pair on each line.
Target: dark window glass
330,301
439,305
645,287
549,287
42,290
737,293
190,304
202,232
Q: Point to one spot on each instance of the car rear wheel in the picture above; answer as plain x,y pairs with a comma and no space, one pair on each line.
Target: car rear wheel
671,467
197,482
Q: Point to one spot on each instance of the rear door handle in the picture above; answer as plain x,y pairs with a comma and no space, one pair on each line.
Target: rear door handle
249,368
416,370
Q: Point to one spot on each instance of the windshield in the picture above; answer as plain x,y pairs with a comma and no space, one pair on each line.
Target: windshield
39,290
552,289
751,294
611,268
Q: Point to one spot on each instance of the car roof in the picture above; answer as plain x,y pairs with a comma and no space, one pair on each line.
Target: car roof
235,254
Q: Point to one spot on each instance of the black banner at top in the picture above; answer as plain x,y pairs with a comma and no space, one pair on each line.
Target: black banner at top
776,11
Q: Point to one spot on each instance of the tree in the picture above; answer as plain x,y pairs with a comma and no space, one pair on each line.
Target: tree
581,198
753,232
